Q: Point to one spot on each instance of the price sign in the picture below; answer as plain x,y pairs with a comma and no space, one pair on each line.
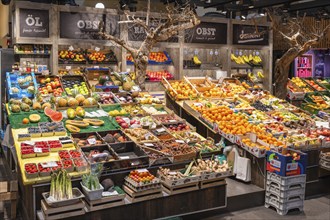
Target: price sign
148,144
160,130
97,49
68,68
142,170
91,141
49,164
124,157
71,48
179,141
37,150
172,121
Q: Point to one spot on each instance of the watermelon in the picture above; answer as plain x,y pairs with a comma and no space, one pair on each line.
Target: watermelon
103,79
57,117
49,112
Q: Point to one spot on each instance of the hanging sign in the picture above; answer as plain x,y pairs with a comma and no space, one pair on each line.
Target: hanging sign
250,35
207,33
86,25
137,32
34,23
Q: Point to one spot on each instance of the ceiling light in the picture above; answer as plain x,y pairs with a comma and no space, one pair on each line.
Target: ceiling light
99,5
286,8
284,21
324,13
122,4
208,1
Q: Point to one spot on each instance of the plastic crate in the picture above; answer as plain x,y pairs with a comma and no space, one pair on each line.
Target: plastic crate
285,199
284,206
286,180
285,193
283,211
284,165
285,187
12,81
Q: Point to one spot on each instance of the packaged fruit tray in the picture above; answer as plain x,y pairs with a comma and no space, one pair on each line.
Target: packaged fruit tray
140,135
74,85
100,154
19,86
174,178
101,57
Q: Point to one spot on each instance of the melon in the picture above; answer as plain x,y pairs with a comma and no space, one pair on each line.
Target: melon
62,102
49,112
47,104
36,106
34,118
72,102
57,117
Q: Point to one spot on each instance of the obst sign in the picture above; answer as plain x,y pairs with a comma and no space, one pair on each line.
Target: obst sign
207,33
34,23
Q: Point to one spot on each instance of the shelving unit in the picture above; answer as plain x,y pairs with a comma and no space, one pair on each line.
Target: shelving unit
303,66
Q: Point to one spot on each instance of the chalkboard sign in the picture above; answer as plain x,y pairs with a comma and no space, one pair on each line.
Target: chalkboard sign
250,35
34,23
137,32
207,33
86,25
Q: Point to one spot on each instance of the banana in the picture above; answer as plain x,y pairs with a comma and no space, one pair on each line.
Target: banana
245,58
250,57
196,60
260,75
132,75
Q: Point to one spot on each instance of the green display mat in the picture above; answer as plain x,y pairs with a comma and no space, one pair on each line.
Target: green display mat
108,108
15,120
109,124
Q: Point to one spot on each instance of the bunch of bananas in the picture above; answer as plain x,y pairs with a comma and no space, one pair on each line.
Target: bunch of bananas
254,78
196,60
244,59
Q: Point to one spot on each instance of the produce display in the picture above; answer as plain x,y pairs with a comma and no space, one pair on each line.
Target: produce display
68,57
314,85
50,86
140,135
60,186
75,86
181,90
96,57
158,75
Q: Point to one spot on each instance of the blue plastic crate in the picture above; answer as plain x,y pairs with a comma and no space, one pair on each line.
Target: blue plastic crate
12,81
285,165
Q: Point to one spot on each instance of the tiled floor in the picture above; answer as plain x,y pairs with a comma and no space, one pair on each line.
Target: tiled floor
314,209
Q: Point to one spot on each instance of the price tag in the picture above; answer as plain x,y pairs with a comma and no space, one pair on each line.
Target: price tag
179,141
45,72
172,121
37,150
149,144
91,141
71,48
88,114
97,49
135,111
124,157
172,173
102,113
113,193
29,143
49,164
96,67
160,130
68,67
321,137
142,170
147,135
198,104
122,99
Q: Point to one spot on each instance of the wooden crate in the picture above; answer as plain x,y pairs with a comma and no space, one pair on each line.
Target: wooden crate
172,190
105,203
49,213
133,196
212,182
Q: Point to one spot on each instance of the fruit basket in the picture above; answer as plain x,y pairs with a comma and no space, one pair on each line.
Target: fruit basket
49,85
140,135
179,150
155,58
175,177
141,180
101,57
83,140
314,85
180,89
19,86
77,196
72,57
129,156
114,136
156,156
106,99
74,85
100,154
157,76
31,170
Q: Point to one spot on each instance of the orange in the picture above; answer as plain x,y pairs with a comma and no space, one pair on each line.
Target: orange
25,121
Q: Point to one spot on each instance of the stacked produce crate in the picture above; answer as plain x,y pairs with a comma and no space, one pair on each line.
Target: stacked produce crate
285,193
